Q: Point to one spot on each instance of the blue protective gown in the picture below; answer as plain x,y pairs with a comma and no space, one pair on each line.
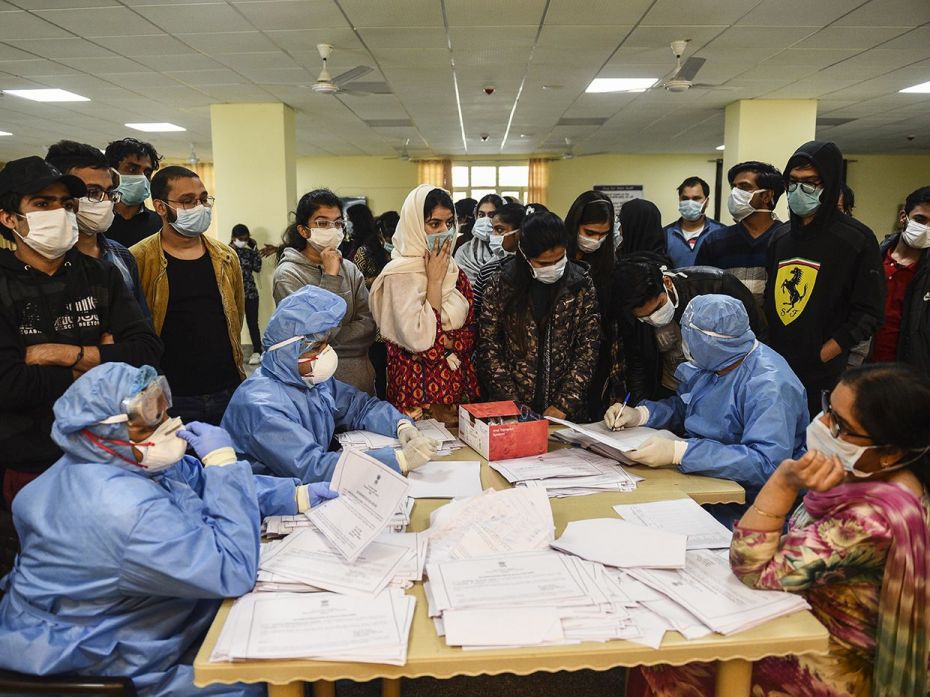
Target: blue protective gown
282,426
121,572
741,425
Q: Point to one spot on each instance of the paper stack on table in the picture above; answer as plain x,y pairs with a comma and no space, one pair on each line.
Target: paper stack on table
366,440
567,472
683,516
370,493
318,626
597,438
615,542
494,522
445,479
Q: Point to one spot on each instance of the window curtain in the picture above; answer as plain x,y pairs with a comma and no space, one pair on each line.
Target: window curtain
205,171
538,185
435,172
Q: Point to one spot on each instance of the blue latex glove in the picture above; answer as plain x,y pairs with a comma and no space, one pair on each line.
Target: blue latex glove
320,492
204,438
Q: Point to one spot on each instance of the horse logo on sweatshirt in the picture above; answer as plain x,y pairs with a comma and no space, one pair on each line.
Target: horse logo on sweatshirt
793,286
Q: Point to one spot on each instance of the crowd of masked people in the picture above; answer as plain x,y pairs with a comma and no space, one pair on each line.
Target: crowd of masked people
138,458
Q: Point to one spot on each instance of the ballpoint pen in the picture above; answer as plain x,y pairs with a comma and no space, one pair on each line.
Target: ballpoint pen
622,407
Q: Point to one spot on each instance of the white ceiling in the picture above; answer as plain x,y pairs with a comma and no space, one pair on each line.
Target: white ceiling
168,60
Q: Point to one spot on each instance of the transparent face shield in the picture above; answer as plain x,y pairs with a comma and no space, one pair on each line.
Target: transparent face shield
147,407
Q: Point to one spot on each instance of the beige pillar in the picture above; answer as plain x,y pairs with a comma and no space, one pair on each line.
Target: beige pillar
255,169
767,130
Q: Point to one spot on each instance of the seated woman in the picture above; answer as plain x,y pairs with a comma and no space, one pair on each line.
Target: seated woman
422,303
857,547
738,405
539,324
128,544
282,418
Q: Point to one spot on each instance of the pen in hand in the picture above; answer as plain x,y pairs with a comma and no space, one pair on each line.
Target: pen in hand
614,426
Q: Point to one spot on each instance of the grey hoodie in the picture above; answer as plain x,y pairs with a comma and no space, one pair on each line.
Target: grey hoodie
356,333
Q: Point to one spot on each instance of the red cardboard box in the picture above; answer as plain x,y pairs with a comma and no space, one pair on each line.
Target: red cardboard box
501,441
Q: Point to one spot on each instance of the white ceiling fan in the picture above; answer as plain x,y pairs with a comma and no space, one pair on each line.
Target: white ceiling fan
403,154
682,79
326,84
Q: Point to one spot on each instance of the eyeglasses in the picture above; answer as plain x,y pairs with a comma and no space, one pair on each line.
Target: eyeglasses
326,224
806,187
99,196
187,203
838,427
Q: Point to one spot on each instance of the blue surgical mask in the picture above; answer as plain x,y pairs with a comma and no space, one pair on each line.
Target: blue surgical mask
441,237
691,210
192,222
496,243
482,228
802,203
135,188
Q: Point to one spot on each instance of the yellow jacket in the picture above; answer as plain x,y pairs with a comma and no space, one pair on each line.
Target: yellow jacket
153,278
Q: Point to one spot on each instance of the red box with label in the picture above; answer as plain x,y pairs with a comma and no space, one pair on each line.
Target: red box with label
493,430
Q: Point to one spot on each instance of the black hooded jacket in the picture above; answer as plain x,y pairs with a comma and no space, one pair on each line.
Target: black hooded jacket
77,305
641,225
824,279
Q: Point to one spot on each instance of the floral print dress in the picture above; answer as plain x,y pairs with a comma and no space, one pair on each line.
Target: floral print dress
838,563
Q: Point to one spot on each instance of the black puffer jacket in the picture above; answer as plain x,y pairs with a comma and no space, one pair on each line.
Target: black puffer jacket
643,362
914,337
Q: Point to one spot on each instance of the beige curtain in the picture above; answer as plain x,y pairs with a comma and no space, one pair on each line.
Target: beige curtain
538,186
435,172
205,171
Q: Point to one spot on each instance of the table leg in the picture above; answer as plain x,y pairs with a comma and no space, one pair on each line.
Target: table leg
292,689
323,688
390,687
734,678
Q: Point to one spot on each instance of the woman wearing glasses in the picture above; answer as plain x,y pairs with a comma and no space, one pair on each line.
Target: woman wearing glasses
856,547
311,257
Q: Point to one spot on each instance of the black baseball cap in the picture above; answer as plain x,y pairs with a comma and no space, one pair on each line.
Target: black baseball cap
31,174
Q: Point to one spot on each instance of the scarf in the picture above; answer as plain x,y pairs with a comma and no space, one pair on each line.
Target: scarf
901,643
398,295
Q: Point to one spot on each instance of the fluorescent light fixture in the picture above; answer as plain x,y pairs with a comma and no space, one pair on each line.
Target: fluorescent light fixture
620,84
155,127
922,88
721,147
4,133
48,95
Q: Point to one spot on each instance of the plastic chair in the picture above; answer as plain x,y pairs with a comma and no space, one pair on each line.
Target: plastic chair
19,684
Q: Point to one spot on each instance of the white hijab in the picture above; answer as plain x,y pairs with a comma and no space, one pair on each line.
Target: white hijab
398,295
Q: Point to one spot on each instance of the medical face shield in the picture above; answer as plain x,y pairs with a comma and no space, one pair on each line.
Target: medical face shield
308,344
148,407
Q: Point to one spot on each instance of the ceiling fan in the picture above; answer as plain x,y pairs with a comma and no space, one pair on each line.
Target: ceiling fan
683,78
326,84
403,154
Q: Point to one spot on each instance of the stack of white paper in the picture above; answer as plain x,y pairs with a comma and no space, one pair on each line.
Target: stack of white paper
567,472
683,516
283,525
367,440
318,626
617,543
369,495
445,479
597,438
494,522
707,589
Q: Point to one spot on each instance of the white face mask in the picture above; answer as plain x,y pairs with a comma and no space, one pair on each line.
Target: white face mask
241,244
51,233
549,274
324,367
589,244
94,216
192,222
163,448
738,203
321,238
496,243
664,314
916,235
482,228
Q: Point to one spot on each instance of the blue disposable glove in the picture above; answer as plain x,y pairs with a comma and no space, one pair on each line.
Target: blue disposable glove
204,438
320,492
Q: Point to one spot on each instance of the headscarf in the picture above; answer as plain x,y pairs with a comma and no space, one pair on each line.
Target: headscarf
97,395
398,295
641,225
902,641
309,312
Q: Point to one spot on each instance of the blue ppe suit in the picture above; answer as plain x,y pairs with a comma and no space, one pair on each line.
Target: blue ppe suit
284,427
121,572
742,424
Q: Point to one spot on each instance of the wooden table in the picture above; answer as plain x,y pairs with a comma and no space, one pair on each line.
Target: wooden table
428,655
